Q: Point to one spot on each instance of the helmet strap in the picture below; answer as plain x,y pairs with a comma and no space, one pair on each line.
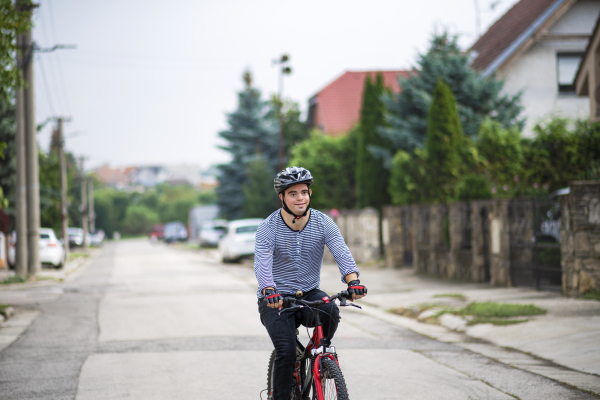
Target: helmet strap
296,217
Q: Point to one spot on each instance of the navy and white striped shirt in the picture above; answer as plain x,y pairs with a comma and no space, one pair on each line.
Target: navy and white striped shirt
291,260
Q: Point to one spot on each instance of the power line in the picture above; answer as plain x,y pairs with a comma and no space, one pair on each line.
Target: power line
45,80
45,18
58,61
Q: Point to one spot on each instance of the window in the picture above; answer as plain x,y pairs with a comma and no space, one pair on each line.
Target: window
567,65
247,229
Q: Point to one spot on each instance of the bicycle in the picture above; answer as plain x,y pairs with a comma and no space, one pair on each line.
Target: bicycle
317,375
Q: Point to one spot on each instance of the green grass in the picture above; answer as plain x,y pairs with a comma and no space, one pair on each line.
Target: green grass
494,321
456,296
3,308
76,255
499,310
13,279
595,295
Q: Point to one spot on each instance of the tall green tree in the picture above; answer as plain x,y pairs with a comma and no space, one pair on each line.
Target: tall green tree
444,141
431,174
477,97
12,22
332,163
252,130
260,199
371,175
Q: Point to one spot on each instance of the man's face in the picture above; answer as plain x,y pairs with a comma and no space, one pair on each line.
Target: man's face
297,198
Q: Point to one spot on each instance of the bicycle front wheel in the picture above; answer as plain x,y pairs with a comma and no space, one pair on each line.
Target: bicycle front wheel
333,384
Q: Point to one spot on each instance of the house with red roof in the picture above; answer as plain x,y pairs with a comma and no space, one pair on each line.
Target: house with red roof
335,109
536,47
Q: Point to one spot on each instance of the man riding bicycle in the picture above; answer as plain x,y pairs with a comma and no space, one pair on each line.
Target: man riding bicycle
288,256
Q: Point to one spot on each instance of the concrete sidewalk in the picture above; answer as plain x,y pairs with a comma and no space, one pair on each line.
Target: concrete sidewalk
568,335
48,275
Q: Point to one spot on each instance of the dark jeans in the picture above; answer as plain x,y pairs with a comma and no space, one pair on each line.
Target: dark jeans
282,330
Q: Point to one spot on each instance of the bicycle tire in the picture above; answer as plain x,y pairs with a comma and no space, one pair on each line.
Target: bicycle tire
332,382
294,395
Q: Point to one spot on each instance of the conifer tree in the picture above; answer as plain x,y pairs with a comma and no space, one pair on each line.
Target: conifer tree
477,97
444,141
252,130
260,200
371,175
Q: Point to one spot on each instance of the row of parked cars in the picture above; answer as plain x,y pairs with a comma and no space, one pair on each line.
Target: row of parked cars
234,239
51,249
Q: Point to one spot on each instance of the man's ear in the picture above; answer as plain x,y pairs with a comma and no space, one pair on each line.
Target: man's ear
281,196
310,192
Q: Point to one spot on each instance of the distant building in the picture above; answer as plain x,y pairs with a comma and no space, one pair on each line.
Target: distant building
335,109
118,178
536,47
587,81
148,176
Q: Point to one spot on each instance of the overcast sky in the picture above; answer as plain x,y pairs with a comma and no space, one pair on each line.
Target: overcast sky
150,81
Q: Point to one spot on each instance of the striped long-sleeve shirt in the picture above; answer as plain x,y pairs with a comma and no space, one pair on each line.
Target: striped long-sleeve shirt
290,260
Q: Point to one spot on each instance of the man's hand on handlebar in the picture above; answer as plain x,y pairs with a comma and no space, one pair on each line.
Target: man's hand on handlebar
273,298
356,290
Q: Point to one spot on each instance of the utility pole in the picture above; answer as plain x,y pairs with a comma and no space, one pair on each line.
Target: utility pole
284,69
21,192
84,211
64,206
28,147
91,212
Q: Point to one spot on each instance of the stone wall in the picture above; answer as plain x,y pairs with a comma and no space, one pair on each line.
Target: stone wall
499,242
461,257
360,229
580,238
480,240
395,240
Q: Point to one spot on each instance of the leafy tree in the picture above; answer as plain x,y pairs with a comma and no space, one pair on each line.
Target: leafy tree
49,174
477,97
260,199
12,23
431,174
252,130
332,162
8,165
562,150
139,220
371,175
474,187
502,151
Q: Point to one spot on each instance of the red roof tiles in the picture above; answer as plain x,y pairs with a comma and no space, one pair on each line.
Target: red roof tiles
336,108
506,30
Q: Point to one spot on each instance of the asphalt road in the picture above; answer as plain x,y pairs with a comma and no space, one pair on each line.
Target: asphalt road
147,321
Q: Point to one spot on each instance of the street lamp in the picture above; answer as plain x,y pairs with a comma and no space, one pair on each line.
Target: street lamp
284,69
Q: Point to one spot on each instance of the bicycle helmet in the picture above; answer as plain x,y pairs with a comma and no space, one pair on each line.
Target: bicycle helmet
291,176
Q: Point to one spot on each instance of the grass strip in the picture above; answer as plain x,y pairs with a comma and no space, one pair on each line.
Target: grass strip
456,296
13,279
500,310
76,255
595,295
495,321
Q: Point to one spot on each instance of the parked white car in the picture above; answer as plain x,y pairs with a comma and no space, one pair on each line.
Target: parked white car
52,251
239,239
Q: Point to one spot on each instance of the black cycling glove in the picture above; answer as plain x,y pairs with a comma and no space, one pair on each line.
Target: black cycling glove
272,296
354,287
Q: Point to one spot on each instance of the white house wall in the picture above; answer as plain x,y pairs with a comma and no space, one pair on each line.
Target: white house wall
535,73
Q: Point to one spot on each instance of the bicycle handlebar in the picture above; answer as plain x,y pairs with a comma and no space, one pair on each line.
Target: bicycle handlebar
289,303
